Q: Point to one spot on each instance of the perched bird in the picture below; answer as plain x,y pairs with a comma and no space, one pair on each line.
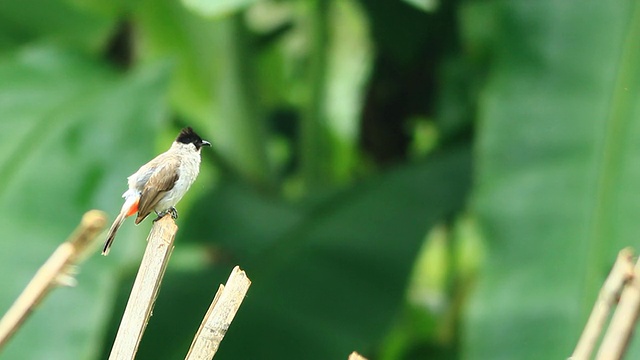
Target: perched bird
159,184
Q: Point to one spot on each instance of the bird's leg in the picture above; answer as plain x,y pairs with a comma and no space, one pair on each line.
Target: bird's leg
171,210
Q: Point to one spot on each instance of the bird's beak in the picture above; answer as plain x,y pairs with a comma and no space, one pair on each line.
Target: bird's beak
205,143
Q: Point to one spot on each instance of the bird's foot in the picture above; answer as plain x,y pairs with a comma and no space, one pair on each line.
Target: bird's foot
171,210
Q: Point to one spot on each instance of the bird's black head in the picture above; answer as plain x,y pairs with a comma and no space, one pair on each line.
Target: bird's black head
188,136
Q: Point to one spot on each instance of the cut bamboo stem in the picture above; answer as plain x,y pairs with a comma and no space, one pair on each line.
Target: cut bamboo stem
55,271
621,273
355,356
145,289
221,312
617,337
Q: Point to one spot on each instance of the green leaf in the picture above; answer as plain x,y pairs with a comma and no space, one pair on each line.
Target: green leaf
424,5
54,20
167,31
349,63
72,131
335,279
558,172
212,8
235,204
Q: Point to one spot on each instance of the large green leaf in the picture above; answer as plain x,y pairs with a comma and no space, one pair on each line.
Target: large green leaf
235,204
212,8
558,171
71,131
326,281
425,5
56,20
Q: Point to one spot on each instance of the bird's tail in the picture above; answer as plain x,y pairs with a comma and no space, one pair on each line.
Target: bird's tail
112,233
129,208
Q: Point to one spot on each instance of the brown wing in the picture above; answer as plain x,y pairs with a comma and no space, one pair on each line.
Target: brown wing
162,180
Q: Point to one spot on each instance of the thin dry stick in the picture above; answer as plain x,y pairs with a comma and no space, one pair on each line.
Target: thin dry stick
617,337
355,356
219,316
621,272
55,271
145,289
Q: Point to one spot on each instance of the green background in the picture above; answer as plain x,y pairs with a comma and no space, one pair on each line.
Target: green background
409,179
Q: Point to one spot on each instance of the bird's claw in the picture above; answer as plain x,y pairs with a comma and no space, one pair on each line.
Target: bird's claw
171,210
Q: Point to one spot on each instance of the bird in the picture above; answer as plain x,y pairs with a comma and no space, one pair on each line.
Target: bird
160,184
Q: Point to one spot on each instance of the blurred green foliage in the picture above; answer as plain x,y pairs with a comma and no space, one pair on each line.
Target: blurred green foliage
409,179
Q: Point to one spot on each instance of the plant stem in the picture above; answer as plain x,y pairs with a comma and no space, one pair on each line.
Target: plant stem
55,271
145,289
244,140
216,321
314,135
